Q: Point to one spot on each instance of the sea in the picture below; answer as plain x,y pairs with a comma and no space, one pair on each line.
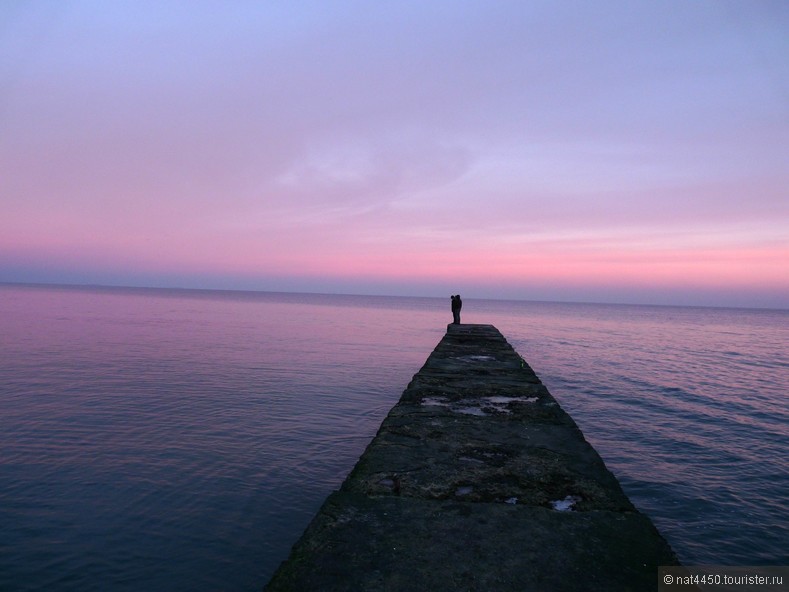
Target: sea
177,440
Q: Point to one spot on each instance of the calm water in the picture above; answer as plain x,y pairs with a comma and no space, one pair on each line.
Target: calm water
173,440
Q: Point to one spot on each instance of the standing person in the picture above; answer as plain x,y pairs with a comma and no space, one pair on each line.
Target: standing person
456,304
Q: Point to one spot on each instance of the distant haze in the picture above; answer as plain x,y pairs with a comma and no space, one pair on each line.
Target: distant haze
578,151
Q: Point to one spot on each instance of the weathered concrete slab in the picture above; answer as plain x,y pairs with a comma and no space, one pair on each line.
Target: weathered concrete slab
477,480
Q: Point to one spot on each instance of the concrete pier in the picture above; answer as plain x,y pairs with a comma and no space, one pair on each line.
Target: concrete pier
477,481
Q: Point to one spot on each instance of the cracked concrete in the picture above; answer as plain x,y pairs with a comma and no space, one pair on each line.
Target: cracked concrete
477,480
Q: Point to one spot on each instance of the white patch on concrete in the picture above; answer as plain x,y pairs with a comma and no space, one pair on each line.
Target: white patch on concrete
500,403
496,403
499,400
565,505
435,402
469,411
476,358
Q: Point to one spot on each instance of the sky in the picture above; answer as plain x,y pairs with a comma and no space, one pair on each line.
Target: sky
627,152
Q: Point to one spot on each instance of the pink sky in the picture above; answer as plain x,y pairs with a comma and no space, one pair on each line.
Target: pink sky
607,151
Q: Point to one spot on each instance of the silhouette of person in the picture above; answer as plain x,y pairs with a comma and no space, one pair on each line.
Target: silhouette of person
457,304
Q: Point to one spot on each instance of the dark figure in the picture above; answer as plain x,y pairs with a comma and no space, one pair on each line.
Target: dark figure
457,304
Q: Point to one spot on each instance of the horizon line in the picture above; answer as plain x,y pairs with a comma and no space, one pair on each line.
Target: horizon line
91,286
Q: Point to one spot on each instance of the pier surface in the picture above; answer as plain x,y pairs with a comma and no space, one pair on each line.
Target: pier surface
477,481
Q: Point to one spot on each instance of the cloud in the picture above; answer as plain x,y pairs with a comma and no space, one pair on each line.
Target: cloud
369,171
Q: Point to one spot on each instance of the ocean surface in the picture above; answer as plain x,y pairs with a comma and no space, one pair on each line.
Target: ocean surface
181,440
